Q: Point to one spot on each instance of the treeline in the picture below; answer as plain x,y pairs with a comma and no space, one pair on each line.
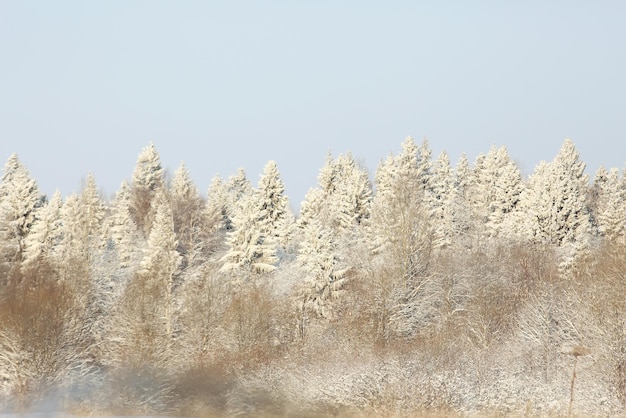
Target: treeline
437,289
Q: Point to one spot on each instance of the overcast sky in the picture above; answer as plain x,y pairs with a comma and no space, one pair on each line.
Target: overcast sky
85,85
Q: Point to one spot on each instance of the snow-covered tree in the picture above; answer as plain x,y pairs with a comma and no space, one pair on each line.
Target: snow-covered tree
122,229
45,234
92,213
343,197
275,216
495,188
239,189
555,204
462,211
217,210
147,180
161,261
187,208
19,201
610,206
251,250
83,233
442,200
401,220
325,277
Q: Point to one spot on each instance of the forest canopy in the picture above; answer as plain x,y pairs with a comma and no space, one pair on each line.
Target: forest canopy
427,287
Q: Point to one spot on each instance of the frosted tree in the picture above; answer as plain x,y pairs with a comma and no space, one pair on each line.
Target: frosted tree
462,211
496,185
45,234
187,208
324,275
147,180
122,229
572,217
216,209
251,250
354,192
402,235
92,213
343,197
19,201
610,206
239,189
401,219
313,205
161,261
443,195
555,204
73,252
83,233
275,215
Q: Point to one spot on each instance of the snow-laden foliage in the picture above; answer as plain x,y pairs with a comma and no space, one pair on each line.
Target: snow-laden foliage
443,199
251,248
610,204
19,201
343,197
187,206
325,275
442,292
278,221
45,234
147,180
122,229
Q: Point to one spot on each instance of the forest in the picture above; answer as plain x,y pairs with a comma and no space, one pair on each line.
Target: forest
423,289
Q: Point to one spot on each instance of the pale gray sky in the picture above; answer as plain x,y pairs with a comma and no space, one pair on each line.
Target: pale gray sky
85,85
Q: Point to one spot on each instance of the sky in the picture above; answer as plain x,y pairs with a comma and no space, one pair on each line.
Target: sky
86,85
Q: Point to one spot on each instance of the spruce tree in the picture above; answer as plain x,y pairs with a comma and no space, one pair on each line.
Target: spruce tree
45,234
19,202
442,199
324,278
147,180
122,229
610,206
187,208
161,261
276,217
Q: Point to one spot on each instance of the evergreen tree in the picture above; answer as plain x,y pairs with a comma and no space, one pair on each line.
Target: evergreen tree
463,218
495,188
610,206
251,250
83,235
343,197
442,201
276,217
216,210
187,208
19,201
92,213
555,204
161,260
147,180
45,233
122,228
324,278
239,189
